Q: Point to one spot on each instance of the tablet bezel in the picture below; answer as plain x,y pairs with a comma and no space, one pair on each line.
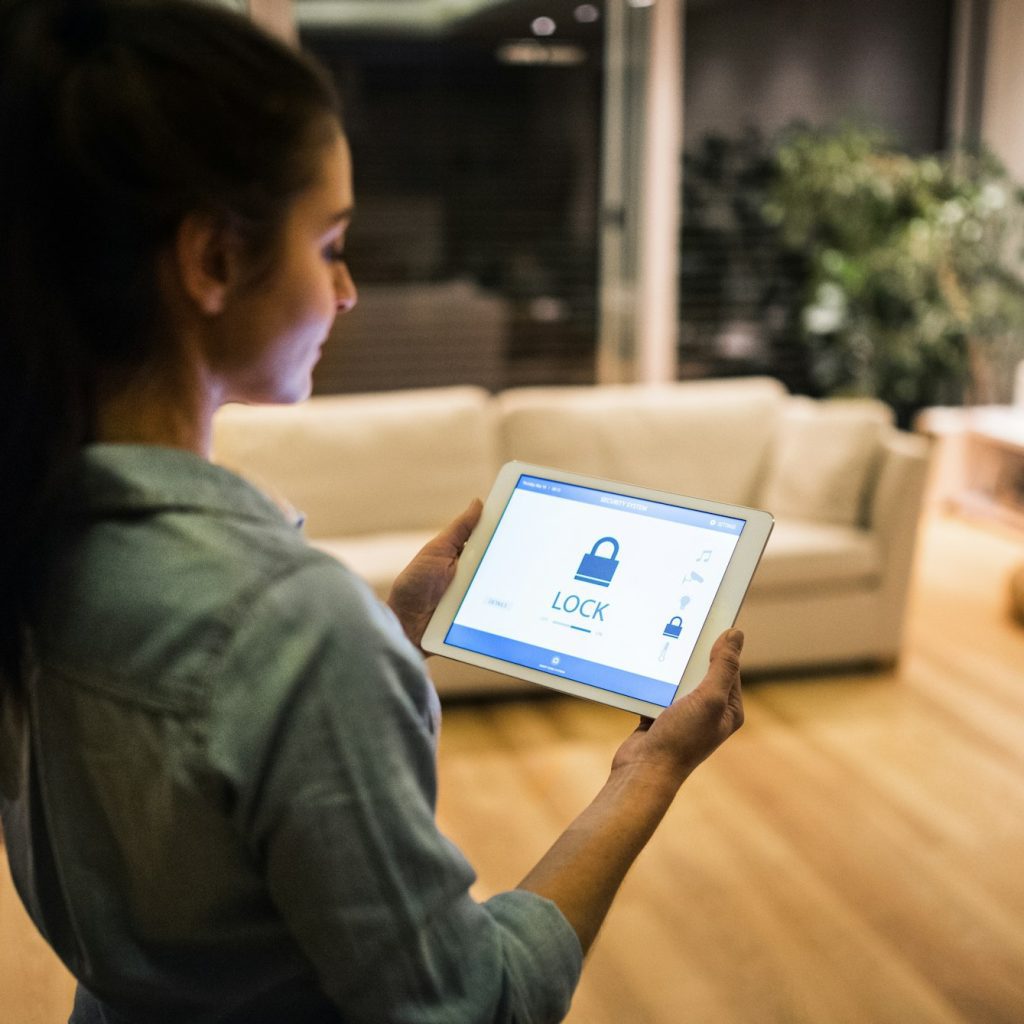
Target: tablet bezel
724,608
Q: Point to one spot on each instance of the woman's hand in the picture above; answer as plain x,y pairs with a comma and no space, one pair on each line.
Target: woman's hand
584,869
687,731
421,584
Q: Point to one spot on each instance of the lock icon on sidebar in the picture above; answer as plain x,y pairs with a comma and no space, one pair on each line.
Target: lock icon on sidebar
674,626
598,569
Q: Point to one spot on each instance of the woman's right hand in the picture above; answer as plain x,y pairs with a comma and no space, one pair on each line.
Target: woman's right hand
687,731
583,870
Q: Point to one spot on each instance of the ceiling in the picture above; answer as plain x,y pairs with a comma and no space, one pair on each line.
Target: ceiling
440,17
421,16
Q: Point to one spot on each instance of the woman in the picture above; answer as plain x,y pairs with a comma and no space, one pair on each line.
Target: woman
216,748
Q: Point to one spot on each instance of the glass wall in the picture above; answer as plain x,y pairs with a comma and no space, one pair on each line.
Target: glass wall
476,149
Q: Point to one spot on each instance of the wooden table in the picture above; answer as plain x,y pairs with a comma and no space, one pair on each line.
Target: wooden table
994,464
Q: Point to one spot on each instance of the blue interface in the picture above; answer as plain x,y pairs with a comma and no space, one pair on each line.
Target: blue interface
601,588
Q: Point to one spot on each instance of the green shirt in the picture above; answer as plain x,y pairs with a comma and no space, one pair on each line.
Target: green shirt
219,803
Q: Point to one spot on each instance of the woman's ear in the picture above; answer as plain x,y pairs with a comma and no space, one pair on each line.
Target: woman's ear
206,258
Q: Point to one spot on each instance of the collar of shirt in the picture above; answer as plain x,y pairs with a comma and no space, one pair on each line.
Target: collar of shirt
115,479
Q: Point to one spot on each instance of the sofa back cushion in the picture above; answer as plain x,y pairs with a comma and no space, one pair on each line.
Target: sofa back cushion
703,438
359,464
824,459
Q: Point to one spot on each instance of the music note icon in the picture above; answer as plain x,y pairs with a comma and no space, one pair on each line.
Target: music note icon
705,555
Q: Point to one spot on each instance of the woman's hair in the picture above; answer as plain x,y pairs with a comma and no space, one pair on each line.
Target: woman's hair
117,119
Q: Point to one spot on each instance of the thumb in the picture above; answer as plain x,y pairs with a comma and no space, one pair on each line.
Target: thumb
458,531
724,668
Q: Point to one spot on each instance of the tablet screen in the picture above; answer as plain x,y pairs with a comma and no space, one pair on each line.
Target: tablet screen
603,588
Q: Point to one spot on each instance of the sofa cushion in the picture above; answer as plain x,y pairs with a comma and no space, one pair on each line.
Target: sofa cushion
802,556
824,455
704,438
363,464
377,557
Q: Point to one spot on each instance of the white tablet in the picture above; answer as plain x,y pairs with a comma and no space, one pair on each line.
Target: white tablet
598,589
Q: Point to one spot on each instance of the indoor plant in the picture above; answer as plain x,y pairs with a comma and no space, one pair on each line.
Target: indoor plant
913,291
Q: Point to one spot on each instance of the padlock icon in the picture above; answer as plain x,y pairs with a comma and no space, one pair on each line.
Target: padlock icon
674,626
597,568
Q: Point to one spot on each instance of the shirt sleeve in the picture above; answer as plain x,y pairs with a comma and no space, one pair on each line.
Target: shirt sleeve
336,803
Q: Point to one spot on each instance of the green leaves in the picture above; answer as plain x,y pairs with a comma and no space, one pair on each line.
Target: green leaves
914,263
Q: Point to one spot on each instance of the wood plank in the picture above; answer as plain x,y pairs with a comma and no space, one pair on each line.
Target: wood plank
35,987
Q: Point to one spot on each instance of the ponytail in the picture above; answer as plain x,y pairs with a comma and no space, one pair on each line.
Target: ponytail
117,119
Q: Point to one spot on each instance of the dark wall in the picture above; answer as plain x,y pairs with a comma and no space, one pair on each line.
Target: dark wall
766,64
507,156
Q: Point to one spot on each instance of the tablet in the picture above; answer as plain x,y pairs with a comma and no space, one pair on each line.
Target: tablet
599,589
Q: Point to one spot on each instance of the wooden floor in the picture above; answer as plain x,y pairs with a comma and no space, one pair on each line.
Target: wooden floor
855,854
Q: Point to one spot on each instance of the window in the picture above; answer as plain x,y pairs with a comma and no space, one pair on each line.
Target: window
476,151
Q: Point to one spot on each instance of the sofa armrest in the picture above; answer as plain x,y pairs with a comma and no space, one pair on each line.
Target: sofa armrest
894,516
899,485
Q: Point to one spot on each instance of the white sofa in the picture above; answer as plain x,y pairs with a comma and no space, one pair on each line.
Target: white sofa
378,474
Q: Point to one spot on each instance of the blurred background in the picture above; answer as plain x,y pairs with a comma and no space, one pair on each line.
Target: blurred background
822,191
556,192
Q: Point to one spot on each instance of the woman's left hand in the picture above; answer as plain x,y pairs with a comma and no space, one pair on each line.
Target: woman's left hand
421,584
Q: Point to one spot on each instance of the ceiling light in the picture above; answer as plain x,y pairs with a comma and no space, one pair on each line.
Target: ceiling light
543,27
586,14
534,52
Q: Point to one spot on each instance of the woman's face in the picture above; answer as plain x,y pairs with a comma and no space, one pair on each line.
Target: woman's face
279,326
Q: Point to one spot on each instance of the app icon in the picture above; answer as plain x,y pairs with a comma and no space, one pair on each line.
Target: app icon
674,627
599,569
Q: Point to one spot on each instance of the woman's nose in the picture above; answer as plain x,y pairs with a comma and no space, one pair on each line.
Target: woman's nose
345,289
